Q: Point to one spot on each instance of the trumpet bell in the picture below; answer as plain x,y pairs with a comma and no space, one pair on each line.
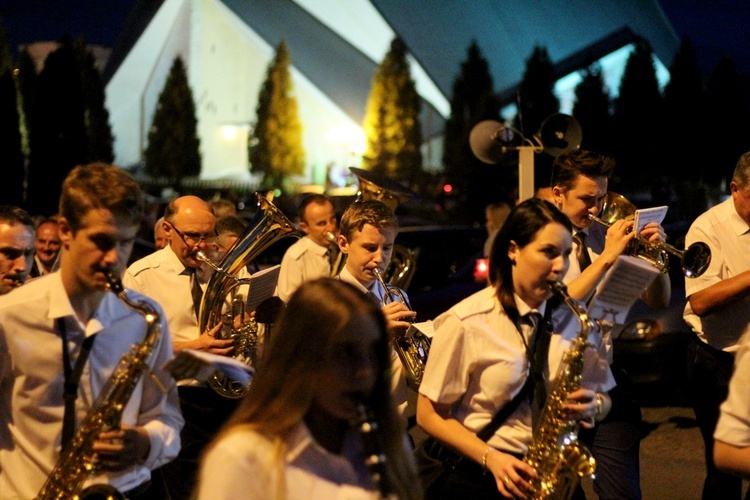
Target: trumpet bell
696,259
375,186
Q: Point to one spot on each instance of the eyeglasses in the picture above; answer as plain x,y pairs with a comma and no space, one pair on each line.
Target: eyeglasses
193,239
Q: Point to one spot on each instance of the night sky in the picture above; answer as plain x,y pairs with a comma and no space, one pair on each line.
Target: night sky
717,28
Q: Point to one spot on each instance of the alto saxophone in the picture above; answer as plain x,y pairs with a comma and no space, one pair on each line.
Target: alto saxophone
559,459
76,462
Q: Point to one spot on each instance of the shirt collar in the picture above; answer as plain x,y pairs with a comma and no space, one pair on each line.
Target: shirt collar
739,226
347,276
524,309
313,247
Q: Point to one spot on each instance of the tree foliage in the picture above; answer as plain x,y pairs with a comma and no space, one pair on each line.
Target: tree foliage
99,140
173,143
537,93
275,145
58,132
475,184
11,156
26,81
392,128
592,110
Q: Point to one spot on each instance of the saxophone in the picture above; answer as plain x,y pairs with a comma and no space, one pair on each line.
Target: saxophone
76,462
555,453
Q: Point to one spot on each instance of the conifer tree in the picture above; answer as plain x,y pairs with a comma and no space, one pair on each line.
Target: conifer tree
99,138
11,157
58,133
275,145
475,184
592,110
637,116
392,128
173,143
537,93
26,81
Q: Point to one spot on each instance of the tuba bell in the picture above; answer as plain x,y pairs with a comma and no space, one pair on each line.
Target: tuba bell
693,261
222,302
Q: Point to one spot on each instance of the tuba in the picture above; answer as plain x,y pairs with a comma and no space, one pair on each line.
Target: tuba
559,459
412,349
77,462
222,301
693,261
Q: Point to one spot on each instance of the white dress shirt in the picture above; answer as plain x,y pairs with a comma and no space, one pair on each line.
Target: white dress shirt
733,427
304,261
249,465
478,363
728,237
31,383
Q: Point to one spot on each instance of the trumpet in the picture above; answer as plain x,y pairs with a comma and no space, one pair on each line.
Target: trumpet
411,349
693,261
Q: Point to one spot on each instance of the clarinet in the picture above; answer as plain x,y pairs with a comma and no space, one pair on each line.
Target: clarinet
375,459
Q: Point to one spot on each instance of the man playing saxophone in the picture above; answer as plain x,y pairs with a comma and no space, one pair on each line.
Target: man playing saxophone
48,384
493,357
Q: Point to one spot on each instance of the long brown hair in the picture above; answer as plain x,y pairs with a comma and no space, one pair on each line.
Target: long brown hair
281,393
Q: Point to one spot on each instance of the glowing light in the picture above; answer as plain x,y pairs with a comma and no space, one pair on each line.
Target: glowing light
228,132
447,188
481,270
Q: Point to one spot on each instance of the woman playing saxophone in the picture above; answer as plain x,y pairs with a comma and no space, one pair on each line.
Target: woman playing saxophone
486,354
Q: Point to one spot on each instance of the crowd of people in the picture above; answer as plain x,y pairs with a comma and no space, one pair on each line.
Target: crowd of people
326,413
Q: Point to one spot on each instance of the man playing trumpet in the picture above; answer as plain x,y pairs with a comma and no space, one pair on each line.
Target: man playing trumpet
579,185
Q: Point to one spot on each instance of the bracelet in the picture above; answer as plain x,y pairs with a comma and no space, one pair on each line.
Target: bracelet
484,458
599,405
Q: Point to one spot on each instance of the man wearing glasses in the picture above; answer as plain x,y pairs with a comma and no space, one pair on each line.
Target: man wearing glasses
175,278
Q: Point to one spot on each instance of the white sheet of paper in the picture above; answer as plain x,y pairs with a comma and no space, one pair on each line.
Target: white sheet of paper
645,215
621,287
199,365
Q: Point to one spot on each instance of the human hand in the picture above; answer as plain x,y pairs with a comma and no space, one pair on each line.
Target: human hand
619,235
582,405
118,449
398,318
511,474
653,231
209,343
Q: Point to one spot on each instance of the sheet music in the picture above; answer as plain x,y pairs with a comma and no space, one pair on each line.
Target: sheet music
645,215
199,365
621,287
262,286
426,327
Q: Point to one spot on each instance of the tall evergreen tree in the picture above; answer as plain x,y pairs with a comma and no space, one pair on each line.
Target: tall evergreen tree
173,144
99,140
728,124
26,81
637,116
275,145
392,129
58,132
592,110
476,184
537,93
11,156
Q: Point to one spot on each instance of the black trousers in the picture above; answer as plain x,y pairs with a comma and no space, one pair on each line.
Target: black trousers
615,443
205,412
708,384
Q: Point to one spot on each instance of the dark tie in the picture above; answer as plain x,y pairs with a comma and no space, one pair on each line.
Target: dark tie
540,346
582,253
196,292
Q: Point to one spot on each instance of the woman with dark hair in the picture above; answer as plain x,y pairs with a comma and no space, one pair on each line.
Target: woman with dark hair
292,435
483,351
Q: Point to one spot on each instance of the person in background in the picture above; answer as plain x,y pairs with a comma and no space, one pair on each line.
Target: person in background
160,235
495,215
314,255
47,245
176,279
222,207
228,230
292,435
66,313
580,180
487,349
718,311
16,247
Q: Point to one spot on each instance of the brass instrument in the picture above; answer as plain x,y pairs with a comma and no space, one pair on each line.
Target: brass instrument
374,186
268,226
559,459
76,462
693,261
412,349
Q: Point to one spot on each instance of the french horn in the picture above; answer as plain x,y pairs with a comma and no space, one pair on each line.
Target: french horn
222,302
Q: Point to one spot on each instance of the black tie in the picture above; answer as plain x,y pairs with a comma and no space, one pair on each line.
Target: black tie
196,292
540,342
582,253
